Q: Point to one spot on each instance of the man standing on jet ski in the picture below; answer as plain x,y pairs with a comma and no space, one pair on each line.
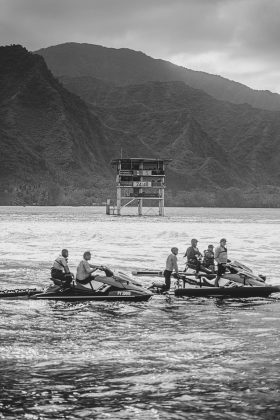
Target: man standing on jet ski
221,259
85,269
60,269
171,264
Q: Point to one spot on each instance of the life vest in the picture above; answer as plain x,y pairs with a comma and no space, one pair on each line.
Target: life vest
223,251
208,258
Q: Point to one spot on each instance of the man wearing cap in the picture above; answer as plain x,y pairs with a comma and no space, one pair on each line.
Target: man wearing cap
193,255
221,259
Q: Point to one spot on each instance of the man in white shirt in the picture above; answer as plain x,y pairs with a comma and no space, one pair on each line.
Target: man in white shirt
171,264
221,258
85,269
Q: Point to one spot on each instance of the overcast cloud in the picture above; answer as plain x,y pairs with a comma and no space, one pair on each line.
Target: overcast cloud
237,39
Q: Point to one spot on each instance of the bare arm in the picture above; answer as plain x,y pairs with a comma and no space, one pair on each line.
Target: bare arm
94,267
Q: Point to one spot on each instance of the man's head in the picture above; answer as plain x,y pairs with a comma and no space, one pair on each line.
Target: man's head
87,255
64,253
223,241
194,242
211,247
174,250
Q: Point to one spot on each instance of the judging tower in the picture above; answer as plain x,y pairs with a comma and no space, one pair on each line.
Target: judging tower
140,180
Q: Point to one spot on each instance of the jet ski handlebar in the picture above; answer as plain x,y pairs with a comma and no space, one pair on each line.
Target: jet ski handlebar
107,271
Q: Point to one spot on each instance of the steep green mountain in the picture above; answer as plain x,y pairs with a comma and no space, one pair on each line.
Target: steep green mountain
50,142
54,150
56,147
124,66
213,144
226,143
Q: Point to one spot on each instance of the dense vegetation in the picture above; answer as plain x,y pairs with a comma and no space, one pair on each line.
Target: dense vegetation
56,145
51,145
124,66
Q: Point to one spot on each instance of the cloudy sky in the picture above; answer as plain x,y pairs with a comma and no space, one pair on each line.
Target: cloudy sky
237,39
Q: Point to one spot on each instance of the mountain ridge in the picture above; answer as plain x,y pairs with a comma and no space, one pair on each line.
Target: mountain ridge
126,66
56,146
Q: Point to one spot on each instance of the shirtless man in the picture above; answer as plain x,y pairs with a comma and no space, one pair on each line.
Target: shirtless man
85,269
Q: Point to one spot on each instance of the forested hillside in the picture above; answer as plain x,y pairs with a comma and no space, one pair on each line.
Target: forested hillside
124,66
51,145
56,145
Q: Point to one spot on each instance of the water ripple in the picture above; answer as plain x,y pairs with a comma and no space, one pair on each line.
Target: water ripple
163,359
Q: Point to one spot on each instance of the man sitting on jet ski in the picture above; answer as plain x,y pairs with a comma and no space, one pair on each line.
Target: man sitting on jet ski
60,269
85,270
193,255
208,260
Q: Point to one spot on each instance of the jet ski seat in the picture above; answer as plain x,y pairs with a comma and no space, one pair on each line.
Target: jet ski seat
201,268
59,282
94,286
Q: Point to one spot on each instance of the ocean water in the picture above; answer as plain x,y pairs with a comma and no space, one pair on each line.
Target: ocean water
162,359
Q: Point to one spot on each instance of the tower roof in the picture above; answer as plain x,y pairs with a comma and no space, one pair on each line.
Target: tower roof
140,160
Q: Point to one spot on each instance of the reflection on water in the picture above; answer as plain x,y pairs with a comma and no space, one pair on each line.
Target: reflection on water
162,359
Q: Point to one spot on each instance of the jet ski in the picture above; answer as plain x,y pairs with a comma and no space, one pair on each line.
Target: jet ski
238,281
236,272
228,291
111,286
